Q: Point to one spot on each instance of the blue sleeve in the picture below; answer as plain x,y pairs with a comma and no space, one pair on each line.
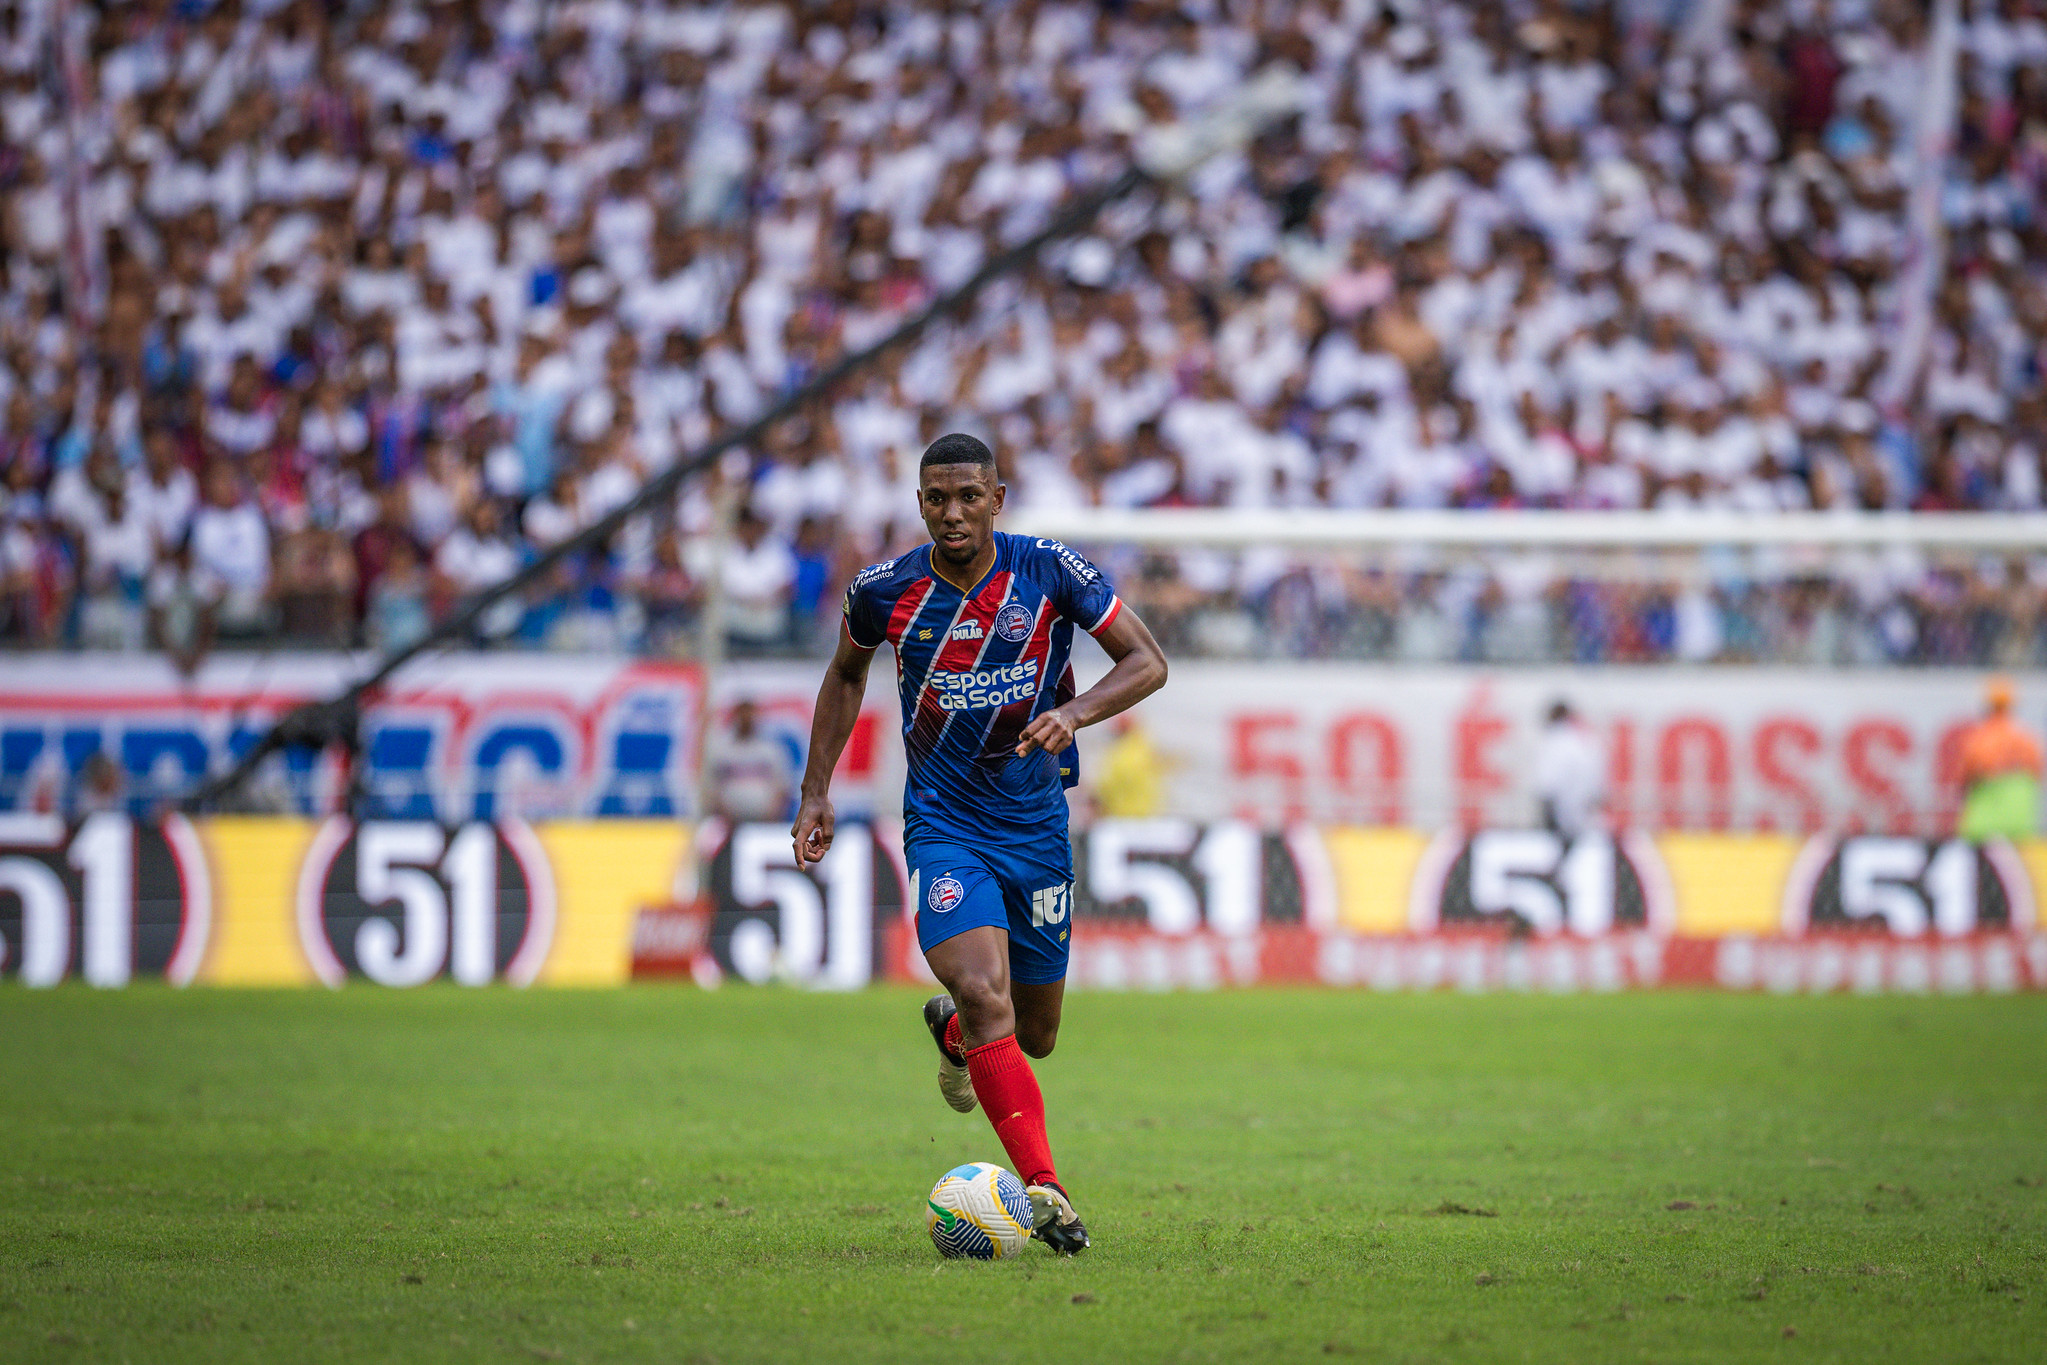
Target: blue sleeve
1078,589
867,605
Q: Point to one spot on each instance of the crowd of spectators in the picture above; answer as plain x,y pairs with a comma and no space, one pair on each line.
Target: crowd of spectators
315,317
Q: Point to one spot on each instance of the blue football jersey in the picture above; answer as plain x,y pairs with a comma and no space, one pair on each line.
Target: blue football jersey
972,671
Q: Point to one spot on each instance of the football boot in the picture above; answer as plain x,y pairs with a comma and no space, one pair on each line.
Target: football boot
953,1082
1055,1222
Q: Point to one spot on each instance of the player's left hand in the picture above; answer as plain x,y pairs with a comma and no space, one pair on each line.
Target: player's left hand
813,830
1052,732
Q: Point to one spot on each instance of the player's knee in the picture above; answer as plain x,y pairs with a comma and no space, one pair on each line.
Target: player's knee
1037,1040
985,1011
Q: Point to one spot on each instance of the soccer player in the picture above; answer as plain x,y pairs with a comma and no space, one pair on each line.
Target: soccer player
982,625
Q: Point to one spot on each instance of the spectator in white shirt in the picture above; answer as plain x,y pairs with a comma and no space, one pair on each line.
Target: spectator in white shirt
163,490
477,555
759,578
753,773
1569,776
120,548
231,554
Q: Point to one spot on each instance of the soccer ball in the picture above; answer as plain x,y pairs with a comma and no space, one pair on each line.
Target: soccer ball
980,1211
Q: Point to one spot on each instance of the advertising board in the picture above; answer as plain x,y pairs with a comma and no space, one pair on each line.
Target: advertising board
467,737
463,737
1162,903
1798,750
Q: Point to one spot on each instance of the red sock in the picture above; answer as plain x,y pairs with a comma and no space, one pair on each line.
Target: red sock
1008,1091
953,1042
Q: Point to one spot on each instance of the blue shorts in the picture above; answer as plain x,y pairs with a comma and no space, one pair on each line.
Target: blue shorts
957,887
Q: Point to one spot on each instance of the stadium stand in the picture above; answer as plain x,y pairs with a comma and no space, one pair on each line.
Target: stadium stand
314,318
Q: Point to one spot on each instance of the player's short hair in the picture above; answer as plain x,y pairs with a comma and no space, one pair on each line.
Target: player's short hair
956,447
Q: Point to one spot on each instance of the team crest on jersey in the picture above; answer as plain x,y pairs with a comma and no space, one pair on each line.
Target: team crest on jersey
1013,622
945,894
969,630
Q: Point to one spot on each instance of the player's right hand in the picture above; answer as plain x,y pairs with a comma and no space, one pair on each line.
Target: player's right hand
813,830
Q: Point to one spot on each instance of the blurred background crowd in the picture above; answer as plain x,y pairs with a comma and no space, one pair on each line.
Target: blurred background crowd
315,317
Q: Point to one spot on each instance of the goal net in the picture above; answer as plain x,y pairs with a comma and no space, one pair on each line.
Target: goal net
1586,588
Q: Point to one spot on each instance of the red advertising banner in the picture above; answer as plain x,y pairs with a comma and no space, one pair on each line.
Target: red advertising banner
465,737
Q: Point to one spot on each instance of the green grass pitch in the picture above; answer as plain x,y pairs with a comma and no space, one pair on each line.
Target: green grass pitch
660,1174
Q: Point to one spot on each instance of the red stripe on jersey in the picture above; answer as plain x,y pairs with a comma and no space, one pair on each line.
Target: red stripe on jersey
906,609
957,655
1010,721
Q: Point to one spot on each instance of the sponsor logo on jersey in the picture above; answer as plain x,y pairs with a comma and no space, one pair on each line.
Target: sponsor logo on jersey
968,630
945,894
976,688
1013,622
873,572
1075,565
923,634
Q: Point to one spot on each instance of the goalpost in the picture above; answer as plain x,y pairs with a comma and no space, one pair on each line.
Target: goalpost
1578,587
1380,528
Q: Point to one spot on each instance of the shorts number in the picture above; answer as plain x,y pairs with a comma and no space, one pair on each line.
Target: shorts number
1051,905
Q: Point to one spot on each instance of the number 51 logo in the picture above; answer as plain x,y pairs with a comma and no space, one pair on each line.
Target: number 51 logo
402,902
1907,888
107,899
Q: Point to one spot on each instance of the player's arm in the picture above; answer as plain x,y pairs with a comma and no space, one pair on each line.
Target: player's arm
831,724
1139,670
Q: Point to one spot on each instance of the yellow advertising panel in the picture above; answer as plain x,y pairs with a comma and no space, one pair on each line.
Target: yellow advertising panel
605,873
1727,883
255,862
1374,868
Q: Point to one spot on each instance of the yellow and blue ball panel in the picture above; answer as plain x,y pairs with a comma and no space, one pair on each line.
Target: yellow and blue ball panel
1000,1226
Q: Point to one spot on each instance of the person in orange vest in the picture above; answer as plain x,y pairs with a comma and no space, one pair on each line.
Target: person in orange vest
2000,774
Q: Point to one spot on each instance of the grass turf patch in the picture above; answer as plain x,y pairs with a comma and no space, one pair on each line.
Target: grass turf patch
660,1174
